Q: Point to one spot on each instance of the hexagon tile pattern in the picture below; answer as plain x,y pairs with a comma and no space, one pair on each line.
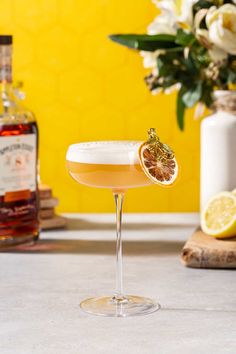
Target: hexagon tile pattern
83,87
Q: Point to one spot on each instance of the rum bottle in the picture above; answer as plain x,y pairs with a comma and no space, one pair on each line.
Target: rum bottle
19,208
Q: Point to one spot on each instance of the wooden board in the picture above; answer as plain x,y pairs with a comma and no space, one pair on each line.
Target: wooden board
45,192
46,213
56,222
204,251
48,203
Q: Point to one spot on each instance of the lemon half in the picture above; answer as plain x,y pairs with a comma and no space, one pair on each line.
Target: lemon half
219,216
234,192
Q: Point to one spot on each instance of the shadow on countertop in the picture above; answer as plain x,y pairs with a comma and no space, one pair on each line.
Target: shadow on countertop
81,224
103,247
68,245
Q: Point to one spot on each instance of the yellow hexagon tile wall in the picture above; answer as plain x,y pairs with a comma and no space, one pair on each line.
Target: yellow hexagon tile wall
83,87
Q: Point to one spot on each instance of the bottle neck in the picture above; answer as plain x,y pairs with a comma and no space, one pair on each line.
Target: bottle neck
5,67
225,101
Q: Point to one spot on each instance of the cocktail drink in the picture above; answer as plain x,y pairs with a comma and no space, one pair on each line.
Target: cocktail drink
107,164
114,165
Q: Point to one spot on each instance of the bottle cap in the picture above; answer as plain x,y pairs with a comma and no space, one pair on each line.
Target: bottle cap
5,39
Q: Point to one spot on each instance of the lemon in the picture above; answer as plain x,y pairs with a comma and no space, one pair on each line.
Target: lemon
219,216
234,192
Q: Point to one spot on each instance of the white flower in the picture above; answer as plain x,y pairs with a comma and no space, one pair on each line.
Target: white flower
221,24
166,22
172,89
199,110
150,59
175,12
163,24
199,17
166,5
156,91
215,52
186,15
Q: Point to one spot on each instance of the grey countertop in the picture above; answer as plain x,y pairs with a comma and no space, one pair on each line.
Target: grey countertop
41,288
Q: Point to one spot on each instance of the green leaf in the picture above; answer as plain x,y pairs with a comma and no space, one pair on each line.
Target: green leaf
180,109
162,66
231,76
207,93
192,95
202,4
145,42
184,38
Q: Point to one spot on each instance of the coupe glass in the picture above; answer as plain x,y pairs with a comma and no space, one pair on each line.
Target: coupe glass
114,165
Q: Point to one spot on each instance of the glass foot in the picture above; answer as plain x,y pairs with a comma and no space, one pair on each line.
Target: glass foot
119,306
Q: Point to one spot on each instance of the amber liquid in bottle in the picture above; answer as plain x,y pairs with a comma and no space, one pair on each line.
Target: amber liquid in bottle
19,207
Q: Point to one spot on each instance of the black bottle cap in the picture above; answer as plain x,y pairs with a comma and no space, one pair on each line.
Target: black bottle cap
5,39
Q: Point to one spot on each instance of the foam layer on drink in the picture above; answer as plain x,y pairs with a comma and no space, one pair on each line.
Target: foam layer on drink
105,152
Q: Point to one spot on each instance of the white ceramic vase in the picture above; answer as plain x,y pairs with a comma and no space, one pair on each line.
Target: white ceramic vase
218,153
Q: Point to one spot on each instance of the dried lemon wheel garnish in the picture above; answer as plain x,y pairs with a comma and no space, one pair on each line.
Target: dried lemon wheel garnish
158,160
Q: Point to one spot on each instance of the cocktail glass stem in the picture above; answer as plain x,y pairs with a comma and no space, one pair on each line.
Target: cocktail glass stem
119,295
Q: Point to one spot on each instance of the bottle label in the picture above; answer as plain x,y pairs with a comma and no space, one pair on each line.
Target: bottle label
17,166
